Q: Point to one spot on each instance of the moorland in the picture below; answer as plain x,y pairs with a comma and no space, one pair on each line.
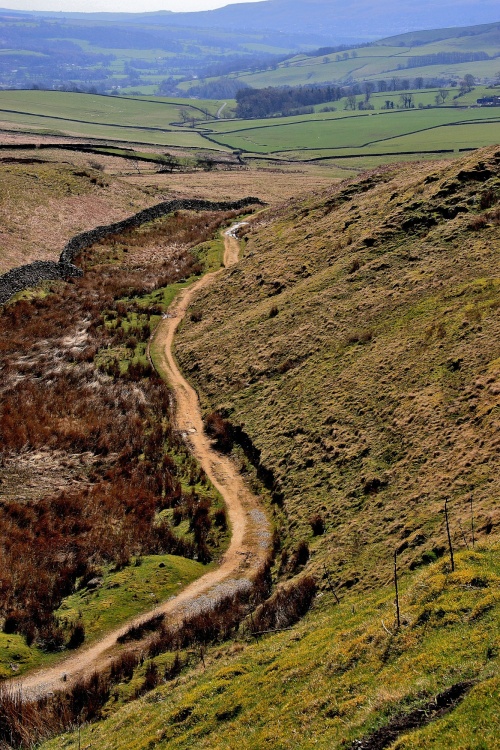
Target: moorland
250,448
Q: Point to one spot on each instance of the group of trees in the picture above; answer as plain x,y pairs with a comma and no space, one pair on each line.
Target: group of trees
270,101
445,58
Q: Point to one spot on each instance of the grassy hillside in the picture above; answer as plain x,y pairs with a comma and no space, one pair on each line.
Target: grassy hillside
164,122
337,677
337,132
355,345
45,201
49,194
357,342
391,57
342,133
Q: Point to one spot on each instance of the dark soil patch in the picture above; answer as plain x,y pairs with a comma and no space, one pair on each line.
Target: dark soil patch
437,707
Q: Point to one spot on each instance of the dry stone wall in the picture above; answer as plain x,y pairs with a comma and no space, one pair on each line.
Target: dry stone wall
25,277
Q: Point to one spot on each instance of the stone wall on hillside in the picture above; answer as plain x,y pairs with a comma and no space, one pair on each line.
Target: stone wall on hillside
25,277
87,239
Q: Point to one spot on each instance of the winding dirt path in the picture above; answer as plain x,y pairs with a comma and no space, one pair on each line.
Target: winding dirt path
250,536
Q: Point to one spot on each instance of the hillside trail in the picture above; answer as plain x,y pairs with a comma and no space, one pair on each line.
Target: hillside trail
250,531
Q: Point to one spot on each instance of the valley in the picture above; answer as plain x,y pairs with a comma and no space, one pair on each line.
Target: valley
250,379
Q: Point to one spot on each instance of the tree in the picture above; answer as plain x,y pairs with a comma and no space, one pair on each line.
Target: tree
351,102
467,84
441,96
168,163
419,83
368,89
469,81
407,100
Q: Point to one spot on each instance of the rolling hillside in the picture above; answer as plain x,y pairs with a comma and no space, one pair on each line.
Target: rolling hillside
362,336
336,20
446,54
353,353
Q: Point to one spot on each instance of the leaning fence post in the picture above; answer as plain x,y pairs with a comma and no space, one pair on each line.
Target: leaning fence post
472,521
398,617
452,560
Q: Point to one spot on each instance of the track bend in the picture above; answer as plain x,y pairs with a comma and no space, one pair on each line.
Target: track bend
250,538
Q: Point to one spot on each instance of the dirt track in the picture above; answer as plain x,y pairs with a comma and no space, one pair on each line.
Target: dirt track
250,535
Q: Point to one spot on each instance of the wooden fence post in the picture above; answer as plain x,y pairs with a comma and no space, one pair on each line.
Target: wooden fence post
452,559
398,617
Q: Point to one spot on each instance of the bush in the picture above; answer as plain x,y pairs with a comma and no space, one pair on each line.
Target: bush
317,523
298,557
286,606
487,199
77,636
220,430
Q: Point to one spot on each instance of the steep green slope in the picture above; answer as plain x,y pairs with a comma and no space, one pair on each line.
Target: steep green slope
339,676
358,344
453,53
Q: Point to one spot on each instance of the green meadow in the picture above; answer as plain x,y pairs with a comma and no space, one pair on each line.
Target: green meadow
367,133
125,593
392,57
157,122
340,674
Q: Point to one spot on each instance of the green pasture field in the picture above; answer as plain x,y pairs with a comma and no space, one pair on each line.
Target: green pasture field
384,60
334,677
139,112
321,134
110,133
426,97
369,131
135,120
126,593
122,595
372,67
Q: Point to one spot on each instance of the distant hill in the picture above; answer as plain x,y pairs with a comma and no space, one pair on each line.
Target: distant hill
137,52
446,54
337,20
333,20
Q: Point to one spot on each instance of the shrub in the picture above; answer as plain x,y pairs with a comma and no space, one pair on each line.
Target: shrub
286,606
77,636
220,518
298,557
220,430
487,199
478,222
317,523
